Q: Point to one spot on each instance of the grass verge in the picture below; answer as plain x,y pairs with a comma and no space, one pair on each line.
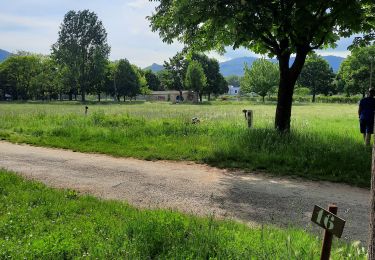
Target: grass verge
37,222
324,143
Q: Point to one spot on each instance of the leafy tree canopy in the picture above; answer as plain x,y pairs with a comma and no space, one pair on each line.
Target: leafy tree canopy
262,77
317,75
195,78
277,28
355,71
82,46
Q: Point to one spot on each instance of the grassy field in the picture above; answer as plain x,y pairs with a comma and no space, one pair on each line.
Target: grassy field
37,222
324,144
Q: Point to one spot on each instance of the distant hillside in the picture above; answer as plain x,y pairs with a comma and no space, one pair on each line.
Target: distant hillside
236,66
155,67
4,55
334,61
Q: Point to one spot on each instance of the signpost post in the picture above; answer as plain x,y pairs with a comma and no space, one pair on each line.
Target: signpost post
332,224
248,117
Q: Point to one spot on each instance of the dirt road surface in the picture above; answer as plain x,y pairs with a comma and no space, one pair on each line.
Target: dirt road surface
191,188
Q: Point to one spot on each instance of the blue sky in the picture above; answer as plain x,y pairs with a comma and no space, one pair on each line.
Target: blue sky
32,25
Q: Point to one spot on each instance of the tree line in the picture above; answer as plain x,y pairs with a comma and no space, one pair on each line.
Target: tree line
317,77
79,65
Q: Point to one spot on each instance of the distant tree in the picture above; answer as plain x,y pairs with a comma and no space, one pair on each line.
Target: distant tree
317,75
233,80
126,78
355,71
153,81
82,43
222,86
166,79
195,78
176,67
261,78
211,70
18,73
277,28
45,83
97,74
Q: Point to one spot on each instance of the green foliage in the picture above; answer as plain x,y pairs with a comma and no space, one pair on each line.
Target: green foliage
153,81
262,78
317,75
165,77
216,83
37,222
19,75
326,139
302,91
82,47
195,78
355,71
175,71
127,80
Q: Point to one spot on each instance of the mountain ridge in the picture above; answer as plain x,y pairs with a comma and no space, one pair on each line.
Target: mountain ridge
236,66
4,55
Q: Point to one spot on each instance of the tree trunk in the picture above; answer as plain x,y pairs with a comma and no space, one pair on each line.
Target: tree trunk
371,240
200,97
83,96
209,97
124,98
99,97
263,98
288,78
313,98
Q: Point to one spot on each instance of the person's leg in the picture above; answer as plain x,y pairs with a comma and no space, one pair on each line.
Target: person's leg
362,127
368,139
369,131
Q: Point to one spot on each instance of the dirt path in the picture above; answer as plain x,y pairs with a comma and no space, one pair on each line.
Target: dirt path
192,188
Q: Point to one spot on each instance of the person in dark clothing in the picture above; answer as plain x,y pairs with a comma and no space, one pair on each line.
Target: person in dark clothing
366,115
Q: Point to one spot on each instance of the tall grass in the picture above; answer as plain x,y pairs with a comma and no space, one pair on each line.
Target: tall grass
37,222
324,143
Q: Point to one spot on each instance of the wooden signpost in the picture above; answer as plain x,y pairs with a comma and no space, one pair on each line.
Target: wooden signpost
332,224
248,117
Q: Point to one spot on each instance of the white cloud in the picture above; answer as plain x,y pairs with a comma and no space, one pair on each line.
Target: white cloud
139,4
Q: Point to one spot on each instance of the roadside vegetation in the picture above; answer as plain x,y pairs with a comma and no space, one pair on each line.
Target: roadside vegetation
325,143
37,222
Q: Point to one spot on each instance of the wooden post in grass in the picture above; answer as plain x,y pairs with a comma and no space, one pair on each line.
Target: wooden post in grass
332,224
327,240
371,239
248,117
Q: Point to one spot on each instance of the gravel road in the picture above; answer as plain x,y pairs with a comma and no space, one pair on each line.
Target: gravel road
190,187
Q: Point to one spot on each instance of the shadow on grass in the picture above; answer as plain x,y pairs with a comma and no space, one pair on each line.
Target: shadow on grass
309,155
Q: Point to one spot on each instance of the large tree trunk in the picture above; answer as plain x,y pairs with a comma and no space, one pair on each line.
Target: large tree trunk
288,78
209,97
313,99
99,97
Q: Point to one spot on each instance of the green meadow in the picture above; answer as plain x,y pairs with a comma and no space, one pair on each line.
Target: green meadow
324,144
37,222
